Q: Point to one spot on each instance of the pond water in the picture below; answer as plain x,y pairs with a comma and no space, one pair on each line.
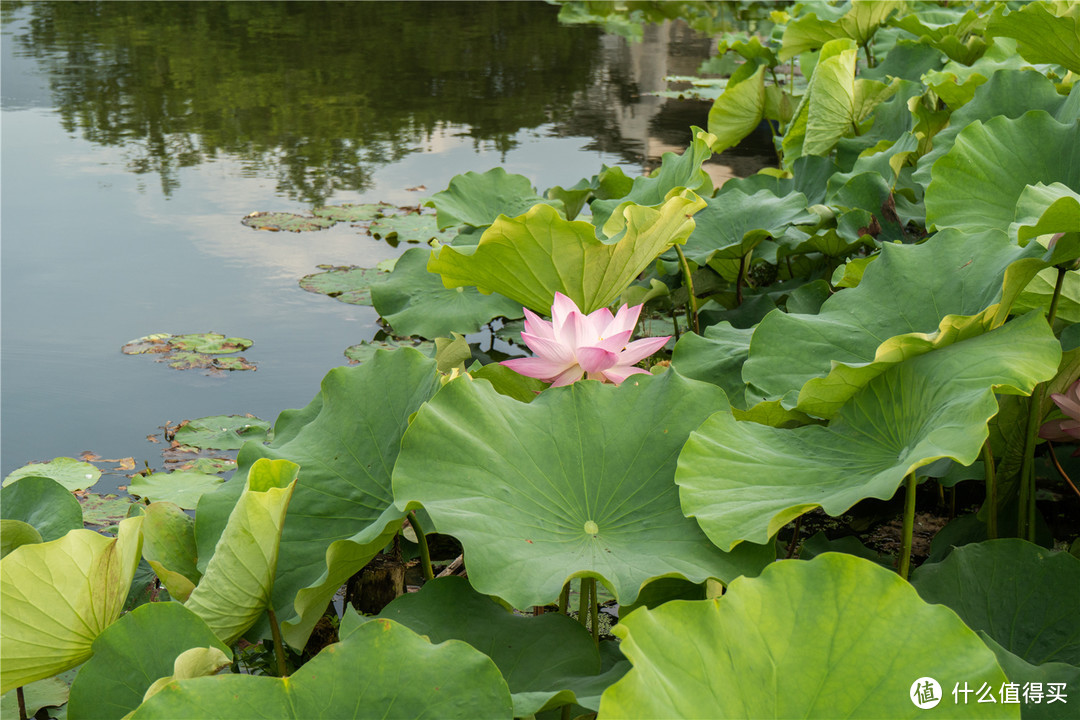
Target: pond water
137,135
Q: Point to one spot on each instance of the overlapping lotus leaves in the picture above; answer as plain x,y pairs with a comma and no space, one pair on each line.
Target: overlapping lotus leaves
561,491
43,503
182,487
978,183
71,473
56,597
1020,594
133,652
1044,34
342,514
170,549
716,357
734,223
740,109
744,481
540,657
860,331
48,693
345,284
476,199
1046,210
532,257
235,589
1040,292
954,31
415,301
837,636
381,670
1023,673
16,533
859,22
676,172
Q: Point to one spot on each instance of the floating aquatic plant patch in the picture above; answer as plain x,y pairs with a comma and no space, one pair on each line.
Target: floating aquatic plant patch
199,350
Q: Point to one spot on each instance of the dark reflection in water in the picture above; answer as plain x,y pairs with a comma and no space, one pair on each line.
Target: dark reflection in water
320,94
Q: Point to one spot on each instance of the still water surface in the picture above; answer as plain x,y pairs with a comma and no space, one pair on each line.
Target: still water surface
135,136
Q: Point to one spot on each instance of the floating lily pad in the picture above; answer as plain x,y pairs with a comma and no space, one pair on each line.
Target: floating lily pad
349,212
290,222
71,473
209,465
185,352
222,432
347,284
410,228
181,487
362,352
103,510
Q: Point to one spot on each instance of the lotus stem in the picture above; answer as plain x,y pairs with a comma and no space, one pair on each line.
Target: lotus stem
909,525
584,594
1061,471
739,281
566,711
1052,312
691,304
22,703
279,647
594,613
794,539
564,599
991,491
425,553
675,322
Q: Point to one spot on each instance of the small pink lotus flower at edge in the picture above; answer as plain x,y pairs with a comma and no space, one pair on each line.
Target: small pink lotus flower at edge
1067,429
574,345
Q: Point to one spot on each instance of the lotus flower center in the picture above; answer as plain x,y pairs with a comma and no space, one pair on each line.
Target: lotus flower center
591,528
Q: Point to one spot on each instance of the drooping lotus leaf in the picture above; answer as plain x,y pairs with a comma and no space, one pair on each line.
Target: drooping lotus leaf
1039,293
957,32
716,357
347,284
538,656
1042,36
1020,594
739,110
16,533
677,172
837,636
1025,675
476,199
169,546
859,21
236,587
131,654
410,228
415,301
734,223
222,432
43,503
342,512
875,323
744,481
71,473
364,351
382,670
561,491
532,257
290,222
56,597
978,182
1007,92
181,487
1046,210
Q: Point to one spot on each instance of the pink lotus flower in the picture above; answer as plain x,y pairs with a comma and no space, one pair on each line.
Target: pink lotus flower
1067,430
574,344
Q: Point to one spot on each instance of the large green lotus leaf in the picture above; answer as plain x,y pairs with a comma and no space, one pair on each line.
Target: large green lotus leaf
382,670
415,301
538,656
978,182
56,597
16,533
957,32
716,357
71,473
532,257
43,503
676,172
1007,92
347,284
837,636
859,22
955,83
1042,36
739,110
342,512
476,199
182,487
986,271
1024,675
235,589
1020,594
131,654
169,546
734,223
744,481
563,492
